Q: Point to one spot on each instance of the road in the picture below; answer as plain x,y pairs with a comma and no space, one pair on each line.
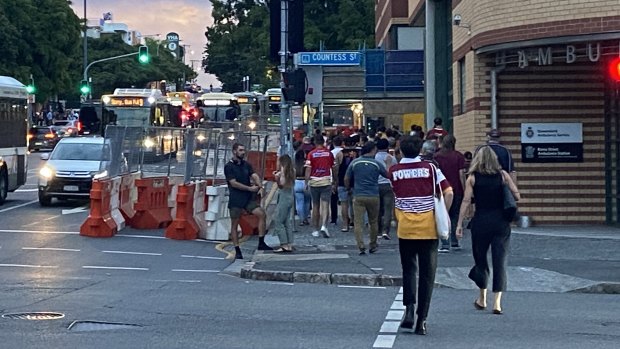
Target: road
178,295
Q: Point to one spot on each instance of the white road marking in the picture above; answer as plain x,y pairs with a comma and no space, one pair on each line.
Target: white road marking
51,249
282,283
141,236
31,224
376,269
189,281
52,217
395,315
29,266
396,305
26,190
400,290
202,257
197,271
136,253
39,232
368,287
75,210
384,341
390,327
18,206
399,297
112,268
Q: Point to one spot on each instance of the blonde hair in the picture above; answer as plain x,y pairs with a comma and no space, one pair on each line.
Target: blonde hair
288,170
485,162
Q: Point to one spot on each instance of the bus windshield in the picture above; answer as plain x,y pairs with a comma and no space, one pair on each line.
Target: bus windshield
124,116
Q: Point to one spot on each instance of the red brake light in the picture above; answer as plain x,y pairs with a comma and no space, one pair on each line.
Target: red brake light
79,126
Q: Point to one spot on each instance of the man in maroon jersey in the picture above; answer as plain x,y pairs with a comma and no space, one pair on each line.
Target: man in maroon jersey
321,182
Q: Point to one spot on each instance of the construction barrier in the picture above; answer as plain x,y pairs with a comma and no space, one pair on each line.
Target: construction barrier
255,159
128,194
115,201
217,215
100,222
152,208
190,214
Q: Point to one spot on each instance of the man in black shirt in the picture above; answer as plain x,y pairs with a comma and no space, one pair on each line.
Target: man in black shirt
243,184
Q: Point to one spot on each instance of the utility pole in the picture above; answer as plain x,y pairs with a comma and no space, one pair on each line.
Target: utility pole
85,44
284,106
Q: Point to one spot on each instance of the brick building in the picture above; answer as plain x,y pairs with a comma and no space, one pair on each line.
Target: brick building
546,63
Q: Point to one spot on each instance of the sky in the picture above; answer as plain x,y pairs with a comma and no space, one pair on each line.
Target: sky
188,18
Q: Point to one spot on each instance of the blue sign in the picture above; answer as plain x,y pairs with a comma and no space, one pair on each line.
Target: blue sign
329,58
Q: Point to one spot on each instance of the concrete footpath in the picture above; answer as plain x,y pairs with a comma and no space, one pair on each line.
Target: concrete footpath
542,259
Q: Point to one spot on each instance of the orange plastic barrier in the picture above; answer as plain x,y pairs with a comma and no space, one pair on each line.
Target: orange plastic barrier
99,222
248,224
184,227
271,159
126,197
152,211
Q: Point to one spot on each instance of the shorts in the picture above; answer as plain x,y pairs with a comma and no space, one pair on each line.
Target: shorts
236,212
343,194
322,193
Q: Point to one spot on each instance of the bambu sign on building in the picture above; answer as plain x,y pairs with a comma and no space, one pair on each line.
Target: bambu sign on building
552,142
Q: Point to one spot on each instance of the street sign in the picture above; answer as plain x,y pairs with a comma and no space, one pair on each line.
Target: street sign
332,58
173,43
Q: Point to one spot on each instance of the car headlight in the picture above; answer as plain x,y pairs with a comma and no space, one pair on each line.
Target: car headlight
99,175
149,143
46,172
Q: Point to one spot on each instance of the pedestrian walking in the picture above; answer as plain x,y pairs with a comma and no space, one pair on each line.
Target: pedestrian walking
302,195
452,165
337,143
429,147
319,173
504,157
343,161
437,131
364,172
386,194
285,178
415,182
488,226
243,185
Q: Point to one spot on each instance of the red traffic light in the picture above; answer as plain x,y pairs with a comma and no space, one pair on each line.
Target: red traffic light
614,69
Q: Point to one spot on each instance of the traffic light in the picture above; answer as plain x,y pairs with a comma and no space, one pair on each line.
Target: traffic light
84,87
614,69
31,89
143,54
294,86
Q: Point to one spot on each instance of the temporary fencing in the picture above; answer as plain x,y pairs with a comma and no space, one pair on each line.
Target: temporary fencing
173,178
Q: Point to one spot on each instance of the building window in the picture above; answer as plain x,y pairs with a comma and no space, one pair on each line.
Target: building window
462,85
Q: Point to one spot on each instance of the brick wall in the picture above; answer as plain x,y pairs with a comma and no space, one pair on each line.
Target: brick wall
496,21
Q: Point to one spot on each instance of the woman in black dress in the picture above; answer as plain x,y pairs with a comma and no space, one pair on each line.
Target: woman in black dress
489,227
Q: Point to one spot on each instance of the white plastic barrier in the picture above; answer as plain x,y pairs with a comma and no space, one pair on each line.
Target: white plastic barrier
174,182
115,204
217,216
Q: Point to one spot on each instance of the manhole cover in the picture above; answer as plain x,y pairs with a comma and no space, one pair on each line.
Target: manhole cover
82,326
33,316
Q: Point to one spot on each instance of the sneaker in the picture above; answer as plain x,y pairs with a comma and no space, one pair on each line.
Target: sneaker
386,236
315,233
373,249
362,251
444,250
324,232
456,247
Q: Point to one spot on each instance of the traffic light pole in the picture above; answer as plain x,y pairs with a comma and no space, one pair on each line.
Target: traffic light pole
284,104
85,75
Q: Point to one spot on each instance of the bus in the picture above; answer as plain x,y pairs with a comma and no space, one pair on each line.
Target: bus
249,104
13,135
142,108
274,99
217,107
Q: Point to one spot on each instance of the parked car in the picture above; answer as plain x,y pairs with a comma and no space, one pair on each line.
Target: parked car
42,137
70,168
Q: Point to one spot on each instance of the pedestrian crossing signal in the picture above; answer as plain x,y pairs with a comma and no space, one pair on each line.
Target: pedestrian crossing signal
143,54
614,69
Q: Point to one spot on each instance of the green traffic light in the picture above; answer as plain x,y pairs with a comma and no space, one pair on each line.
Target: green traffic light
31,89
84,90
144,58
143,54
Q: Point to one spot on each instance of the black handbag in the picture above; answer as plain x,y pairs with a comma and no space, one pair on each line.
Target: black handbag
510,205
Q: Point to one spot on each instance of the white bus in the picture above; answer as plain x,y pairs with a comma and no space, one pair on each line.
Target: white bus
13,135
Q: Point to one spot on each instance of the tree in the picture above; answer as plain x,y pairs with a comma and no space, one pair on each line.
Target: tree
238,40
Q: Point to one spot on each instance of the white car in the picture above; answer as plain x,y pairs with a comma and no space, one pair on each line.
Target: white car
66,127
70,168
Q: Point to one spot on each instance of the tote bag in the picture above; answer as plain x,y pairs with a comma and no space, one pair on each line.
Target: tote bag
442,217
510,205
